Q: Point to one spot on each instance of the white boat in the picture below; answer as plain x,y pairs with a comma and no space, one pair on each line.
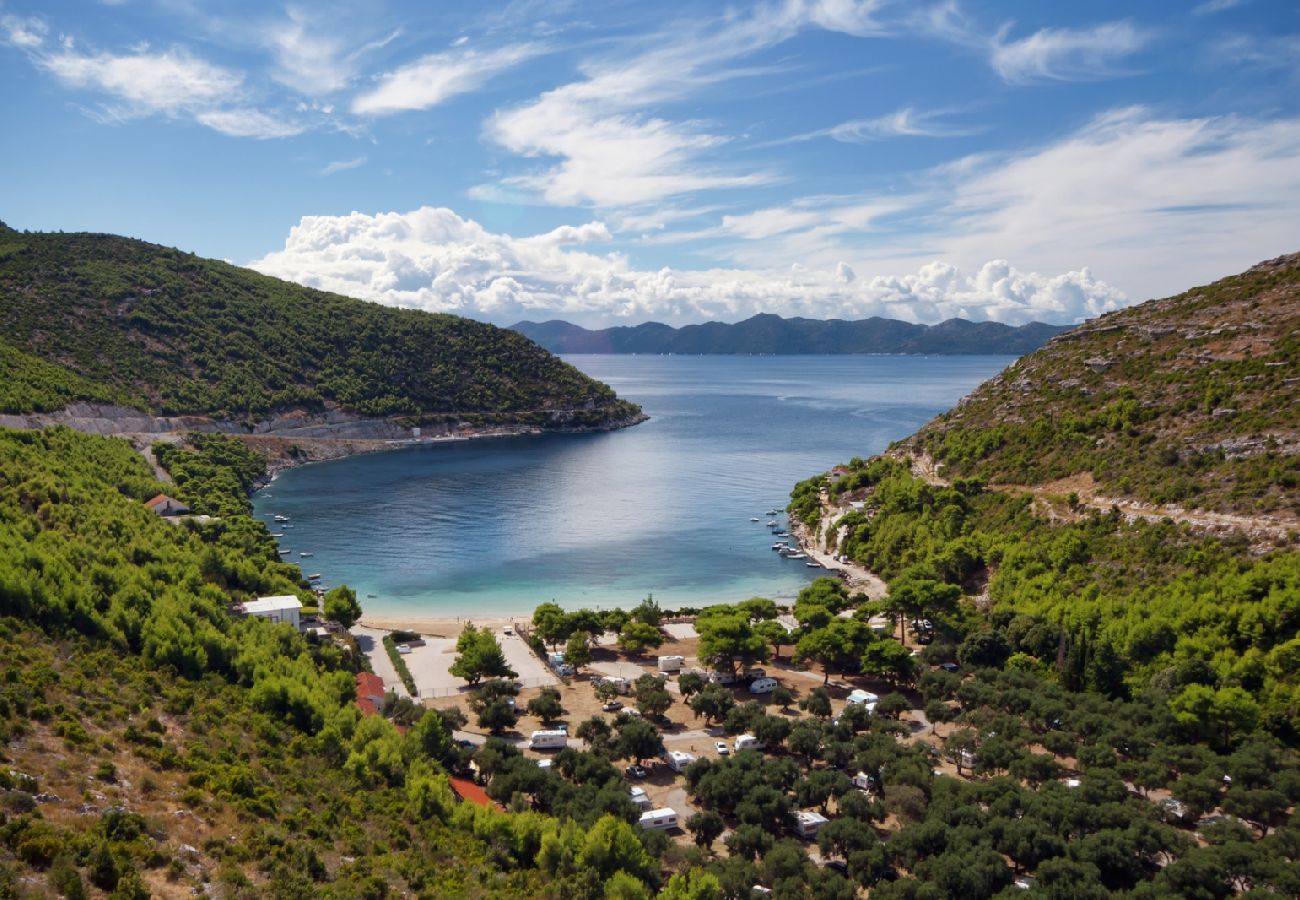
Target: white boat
773,512
285,552
314,577
813,564
755,519
304,554
280,518
277,534
780,545
773,524
797,555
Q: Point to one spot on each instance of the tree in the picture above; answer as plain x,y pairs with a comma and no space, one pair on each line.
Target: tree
652,698
770,730
706,826
889,659
836,646
782,696
817,703
984,649
937,711
551,623
806,742
693,884
1220,716
577,652
637,637
605,690
914,594
713,703
748,842
774,633
960,748
546,705
691,683
478,655
637,739
1262,807
758,609
498,715
341,606
647,612
891,706
432,735
727,639
597,732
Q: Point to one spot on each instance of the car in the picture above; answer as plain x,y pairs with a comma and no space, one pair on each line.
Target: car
612,706
722,748
949,666
838,865
508,631
635,772
461,742
403,649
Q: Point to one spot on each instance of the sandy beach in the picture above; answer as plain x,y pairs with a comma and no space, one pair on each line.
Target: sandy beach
440,626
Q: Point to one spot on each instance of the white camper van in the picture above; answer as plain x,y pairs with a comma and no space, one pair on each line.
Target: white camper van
762,685
664,818
678,760
671,663
548,740
807,824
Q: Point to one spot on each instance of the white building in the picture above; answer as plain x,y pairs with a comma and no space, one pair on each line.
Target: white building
286,609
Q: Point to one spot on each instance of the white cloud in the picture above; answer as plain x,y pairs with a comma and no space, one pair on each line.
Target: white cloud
342,165
249,123
613,151
906,122
1209,7
26,33
141,83
432,79
1063,54
307,60
435,260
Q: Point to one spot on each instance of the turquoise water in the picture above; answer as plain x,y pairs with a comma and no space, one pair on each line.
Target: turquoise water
498,526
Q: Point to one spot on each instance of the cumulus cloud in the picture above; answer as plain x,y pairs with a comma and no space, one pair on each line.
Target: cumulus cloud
435,260
1063,54
432,79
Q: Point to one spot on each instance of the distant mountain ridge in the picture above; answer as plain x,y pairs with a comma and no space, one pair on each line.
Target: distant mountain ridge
768,333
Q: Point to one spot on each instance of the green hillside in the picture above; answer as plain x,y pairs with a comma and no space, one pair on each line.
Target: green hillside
167,331
1190,400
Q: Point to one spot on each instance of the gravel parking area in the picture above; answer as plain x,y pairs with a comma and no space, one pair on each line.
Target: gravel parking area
429,664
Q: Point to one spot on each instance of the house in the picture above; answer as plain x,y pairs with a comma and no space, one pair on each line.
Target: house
286,608
166,506
370,693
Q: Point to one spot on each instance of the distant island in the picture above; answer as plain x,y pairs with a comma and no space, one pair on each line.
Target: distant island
768,333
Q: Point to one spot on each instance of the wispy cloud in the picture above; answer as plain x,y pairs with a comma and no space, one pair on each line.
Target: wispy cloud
313,57
1210,7
22,32
612,153
342,165
906,122
250,123
1065,54
434,78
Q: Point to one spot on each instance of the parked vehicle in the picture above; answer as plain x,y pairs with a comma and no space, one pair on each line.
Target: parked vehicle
612,706
722,748
807,824
722,678
635,772
664,819
747,742
641,799
762,686
552,739
678,760
671,663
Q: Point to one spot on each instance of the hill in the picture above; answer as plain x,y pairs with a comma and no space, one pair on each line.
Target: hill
113,320
1189,401
766,333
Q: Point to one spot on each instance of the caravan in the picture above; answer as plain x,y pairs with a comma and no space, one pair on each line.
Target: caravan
747,742
641,799
664,818
762,685
671,663
678,760
548,740
807,824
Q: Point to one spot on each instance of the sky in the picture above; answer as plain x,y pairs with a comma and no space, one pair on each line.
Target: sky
617,162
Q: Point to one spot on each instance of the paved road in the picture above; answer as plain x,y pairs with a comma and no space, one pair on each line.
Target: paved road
370,641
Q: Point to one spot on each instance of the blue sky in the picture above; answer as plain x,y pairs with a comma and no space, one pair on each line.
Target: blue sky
615,162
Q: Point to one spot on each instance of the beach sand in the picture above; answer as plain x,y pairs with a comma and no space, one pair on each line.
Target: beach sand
441,626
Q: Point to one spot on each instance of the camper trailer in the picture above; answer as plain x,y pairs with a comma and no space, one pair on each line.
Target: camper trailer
665,819
678,760
863,698
807,824
747,742
622,685
641,799
671,663
864,782
723,678
548,740
762,686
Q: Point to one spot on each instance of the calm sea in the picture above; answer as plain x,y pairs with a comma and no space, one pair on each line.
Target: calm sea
498,526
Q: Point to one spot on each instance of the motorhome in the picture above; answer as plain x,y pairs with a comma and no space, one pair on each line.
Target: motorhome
678,760
663,818
747,742
548,740
671,663
807,824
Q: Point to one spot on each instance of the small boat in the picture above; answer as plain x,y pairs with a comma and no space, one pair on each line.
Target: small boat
780,545
773,524
813,564
773,512
754,519
285,552
798,554
371,596
304,554
280,518
314,577
780,532
277,534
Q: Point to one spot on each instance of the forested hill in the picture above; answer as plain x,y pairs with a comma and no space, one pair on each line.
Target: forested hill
767,333
1189,401
106,318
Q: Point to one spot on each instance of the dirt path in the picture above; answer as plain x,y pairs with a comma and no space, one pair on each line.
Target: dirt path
1263,528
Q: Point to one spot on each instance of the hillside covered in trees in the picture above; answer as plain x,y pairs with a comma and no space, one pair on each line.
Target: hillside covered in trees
110,319
1189,400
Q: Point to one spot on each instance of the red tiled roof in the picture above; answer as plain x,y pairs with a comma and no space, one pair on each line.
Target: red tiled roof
367,706
369,685
161,498
470,792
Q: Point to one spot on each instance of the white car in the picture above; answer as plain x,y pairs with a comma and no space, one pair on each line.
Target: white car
403,649
722,748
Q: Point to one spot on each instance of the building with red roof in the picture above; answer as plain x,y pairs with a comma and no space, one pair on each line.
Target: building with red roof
470,792
370,693
166,506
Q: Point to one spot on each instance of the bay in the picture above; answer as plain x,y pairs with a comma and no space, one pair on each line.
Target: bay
496,526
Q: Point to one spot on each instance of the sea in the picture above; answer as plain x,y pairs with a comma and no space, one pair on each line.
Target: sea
667,508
